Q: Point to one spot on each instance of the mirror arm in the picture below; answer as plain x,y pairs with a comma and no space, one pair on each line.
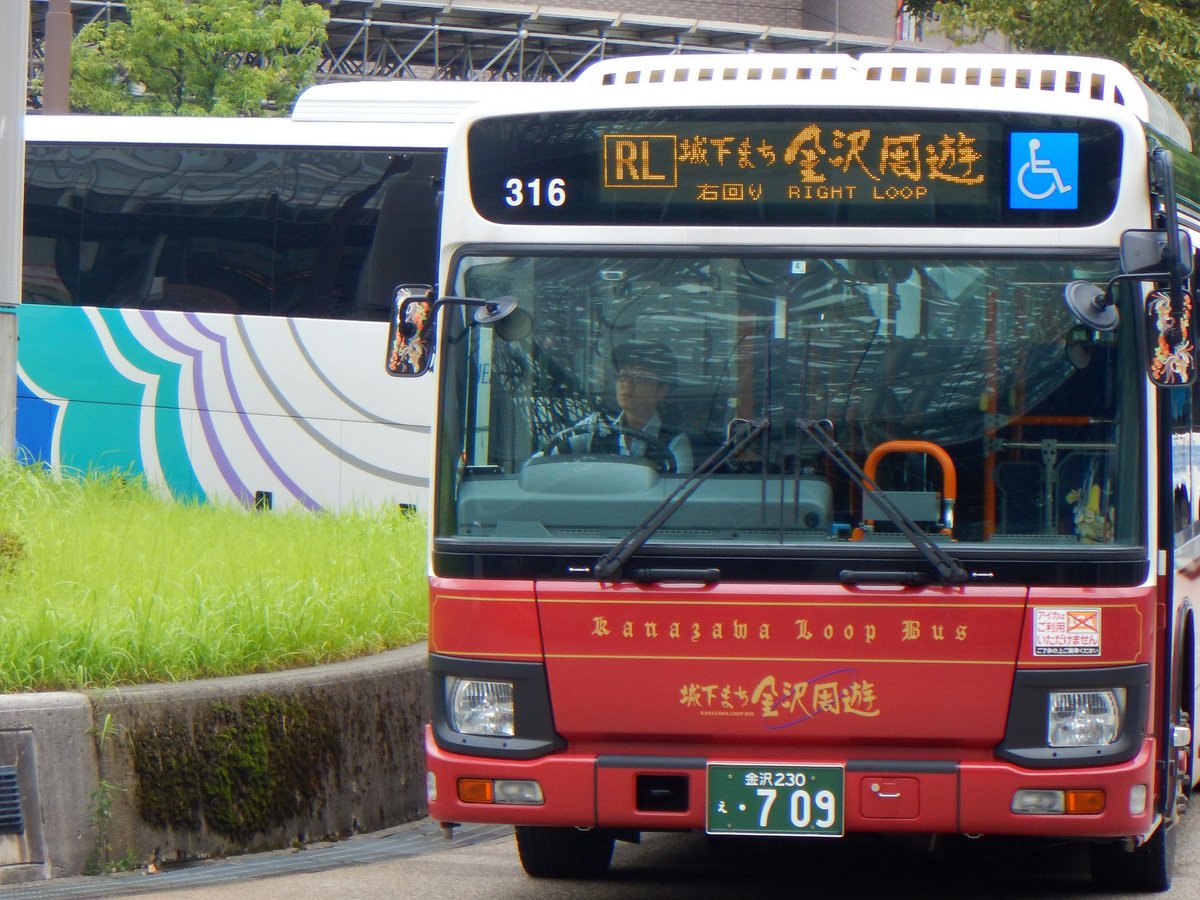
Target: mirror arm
1096,308
410,353
1164,184
486,311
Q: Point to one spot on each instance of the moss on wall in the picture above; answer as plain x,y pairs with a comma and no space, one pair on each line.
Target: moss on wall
239,767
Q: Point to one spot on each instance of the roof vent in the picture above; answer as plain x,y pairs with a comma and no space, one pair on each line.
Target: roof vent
1074,77
731,67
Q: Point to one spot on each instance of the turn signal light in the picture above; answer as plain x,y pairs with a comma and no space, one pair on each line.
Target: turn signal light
1052,802
1085,803
503,791
475,790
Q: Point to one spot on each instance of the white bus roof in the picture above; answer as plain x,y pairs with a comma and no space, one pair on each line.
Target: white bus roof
413,113
1073,78
220,131
407,99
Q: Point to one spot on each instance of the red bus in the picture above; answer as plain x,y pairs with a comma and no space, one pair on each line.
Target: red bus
814,456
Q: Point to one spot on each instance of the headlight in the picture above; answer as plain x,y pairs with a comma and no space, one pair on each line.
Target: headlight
1085,718
480,707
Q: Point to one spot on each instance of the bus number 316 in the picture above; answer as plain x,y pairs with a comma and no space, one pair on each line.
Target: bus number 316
532,193
801,811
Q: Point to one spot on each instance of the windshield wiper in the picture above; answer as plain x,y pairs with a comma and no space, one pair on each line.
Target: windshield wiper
946,567
738,436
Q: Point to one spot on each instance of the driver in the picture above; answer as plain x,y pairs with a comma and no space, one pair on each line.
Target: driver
645,370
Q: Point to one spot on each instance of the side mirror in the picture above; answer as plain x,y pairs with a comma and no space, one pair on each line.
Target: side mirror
1147,254
410,333
1170,339
1092,306
1146,251
1169,331
1163,257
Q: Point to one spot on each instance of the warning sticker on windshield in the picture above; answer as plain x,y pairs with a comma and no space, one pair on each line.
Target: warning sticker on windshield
1062,631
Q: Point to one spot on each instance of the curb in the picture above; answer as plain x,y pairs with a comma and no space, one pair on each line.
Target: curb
124,777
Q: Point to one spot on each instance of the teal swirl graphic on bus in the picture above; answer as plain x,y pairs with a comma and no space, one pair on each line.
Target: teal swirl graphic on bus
115,404
250,409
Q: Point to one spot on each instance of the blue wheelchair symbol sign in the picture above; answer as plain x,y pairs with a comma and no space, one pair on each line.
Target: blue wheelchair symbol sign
1043,170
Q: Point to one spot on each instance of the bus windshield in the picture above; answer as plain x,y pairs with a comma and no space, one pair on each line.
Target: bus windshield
960,384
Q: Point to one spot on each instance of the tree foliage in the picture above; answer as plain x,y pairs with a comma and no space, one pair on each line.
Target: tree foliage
1159,40
198,57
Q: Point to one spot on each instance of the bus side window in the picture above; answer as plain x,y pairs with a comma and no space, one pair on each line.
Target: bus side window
402,247
41,280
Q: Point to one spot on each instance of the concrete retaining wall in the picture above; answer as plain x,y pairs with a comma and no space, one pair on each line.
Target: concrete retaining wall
162,773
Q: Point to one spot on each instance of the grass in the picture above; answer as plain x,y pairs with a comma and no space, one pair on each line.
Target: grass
104,583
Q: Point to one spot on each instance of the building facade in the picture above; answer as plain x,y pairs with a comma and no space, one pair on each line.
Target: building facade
464,39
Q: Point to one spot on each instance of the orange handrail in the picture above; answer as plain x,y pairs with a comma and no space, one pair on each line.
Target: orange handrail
949,476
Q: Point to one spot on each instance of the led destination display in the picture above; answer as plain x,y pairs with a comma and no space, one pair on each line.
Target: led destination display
849,164
793,167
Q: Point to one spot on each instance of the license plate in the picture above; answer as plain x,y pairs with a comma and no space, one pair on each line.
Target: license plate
766,799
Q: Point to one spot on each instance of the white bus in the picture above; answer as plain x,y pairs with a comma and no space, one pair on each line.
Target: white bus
198,294
930,564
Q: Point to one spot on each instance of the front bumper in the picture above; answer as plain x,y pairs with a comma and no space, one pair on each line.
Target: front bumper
893,795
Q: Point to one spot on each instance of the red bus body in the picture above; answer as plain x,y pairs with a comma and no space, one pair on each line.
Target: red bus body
904,539
653,682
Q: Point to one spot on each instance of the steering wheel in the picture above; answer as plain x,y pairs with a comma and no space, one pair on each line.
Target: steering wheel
561,442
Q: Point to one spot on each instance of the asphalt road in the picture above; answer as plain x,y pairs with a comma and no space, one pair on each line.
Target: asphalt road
414,862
